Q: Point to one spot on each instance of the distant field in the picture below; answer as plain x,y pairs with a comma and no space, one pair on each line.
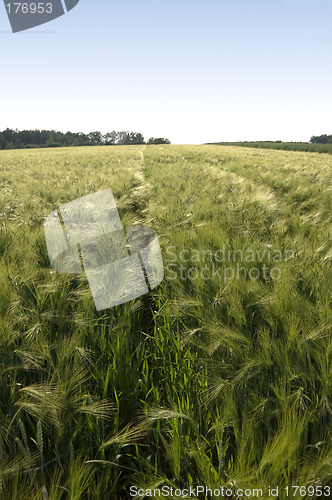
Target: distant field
287,146
222,376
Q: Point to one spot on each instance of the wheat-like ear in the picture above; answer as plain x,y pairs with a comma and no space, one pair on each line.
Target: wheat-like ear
102,409
40,443
43,401
159,413
24,435
130,435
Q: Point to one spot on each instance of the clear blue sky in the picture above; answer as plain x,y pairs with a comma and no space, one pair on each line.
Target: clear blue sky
193,71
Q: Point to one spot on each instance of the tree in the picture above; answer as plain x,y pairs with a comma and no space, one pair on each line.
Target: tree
135,138
158,140
95,137
110,137
321,139
122,138
9,135
2,141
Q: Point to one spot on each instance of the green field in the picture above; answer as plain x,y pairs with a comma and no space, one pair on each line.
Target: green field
222,376
286,146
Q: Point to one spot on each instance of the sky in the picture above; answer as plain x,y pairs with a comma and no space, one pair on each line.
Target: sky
192,71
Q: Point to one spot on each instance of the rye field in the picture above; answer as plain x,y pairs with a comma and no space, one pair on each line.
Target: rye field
220,377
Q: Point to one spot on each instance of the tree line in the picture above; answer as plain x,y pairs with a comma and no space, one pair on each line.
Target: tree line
321,139
20,139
